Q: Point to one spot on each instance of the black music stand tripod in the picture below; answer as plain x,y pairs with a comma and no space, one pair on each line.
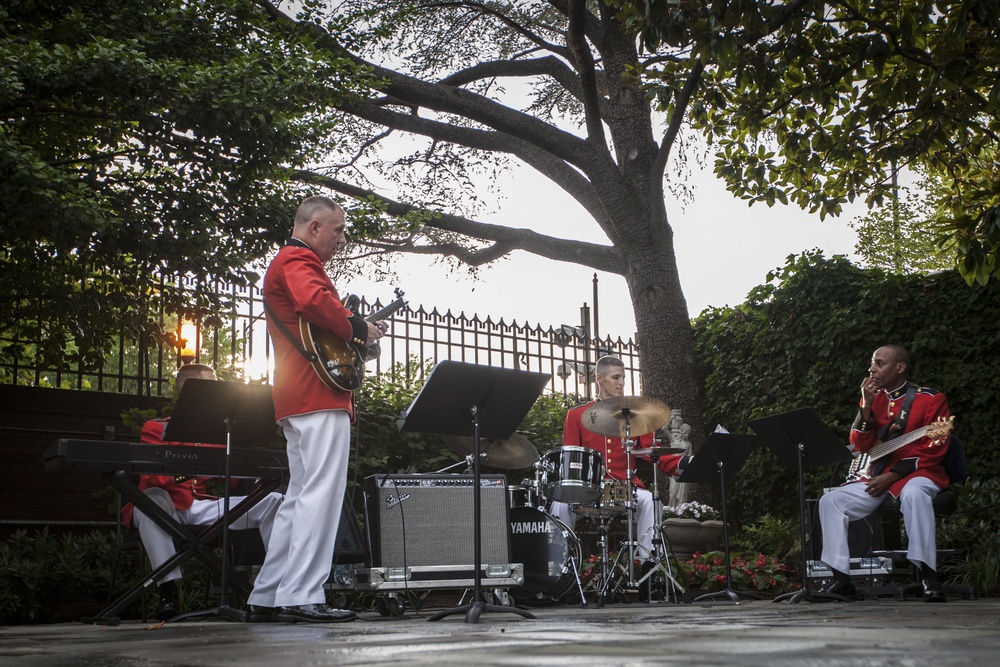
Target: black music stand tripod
459,399
801,440
721,456
213,412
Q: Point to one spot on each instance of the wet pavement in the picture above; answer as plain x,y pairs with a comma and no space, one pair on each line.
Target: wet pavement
873,632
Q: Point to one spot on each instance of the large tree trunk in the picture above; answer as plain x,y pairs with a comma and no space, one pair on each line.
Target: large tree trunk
663,326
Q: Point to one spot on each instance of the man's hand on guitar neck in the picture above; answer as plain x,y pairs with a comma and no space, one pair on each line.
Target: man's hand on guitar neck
376,330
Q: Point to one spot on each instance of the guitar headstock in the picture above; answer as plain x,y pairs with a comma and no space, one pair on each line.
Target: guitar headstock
939,430
399,294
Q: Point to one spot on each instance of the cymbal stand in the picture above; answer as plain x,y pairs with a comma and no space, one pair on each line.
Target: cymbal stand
467,462
662,551
633,545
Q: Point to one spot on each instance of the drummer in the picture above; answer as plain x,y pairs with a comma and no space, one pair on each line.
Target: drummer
610,378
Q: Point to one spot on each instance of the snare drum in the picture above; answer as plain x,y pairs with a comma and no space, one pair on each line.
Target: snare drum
613,500
549,551
572,474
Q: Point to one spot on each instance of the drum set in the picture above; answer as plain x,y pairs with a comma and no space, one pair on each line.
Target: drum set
549,549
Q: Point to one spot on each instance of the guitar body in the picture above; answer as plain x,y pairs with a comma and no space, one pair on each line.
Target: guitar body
339,364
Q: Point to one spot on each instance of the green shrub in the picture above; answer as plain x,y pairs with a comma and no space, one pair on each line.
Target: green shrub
805,339
974,527
770,535
49,579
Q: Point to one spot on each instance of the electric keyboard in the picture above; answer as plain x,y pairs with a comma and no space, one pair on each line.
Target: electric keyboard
149,459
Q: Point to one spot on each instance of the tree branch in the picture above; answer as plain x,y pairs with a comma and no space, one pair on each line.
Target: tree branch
584,60
598,257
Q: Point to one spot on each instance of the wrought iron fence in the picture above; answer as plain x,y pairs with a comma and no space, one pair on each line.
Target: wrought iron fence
240,349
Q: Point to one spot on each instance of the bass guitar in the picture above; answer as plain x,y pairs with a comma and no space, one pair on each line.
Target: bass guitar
339,363
935,431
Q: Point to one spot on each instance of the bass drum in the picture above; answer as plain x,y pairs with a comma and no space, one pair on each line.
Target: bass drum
549,550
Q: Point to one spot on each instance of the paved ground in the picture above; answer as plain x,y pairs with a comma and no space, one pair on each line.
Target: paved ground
880,632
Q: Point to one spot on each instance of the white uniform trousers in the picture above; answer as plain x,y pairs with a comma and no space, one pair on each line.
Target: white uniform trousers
851,502
643,519
160,546
300,552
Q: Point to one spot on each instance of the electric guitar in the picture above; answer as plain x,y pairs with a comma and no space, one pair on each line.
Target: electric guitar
936,431
340,364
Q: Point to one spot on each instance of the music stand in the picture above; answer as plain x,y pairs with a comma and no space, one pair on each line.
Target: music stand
801,440
213,412
458,399
719,459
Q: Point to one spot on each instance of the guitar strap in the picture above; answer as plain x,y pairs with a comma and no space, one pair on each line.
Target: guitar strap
900,421
309,356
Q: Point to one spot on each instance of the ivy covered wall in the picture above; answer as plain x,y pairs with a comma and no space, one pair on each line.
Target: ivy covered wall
805,339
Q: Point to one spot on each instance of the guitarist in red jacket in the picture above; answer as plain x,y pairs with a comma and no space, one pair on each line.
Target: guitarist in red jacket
891,406
316,421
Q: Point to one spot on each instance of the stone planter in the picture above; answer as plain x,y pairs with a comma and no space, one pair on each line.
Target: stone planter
687,536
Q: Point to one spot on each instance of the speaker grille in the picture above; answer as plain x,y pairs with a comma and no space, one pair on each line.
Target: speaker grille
427,520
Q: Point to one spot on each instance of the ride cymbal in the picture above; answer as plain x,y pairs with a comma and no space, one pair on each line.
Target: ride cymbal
511,454
608,417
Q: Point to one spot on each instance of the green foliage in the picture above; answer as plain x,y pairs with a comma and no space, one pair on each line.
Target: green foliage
805,339
48,579
137,137
975,528
750,572
818,103
899,237
778,537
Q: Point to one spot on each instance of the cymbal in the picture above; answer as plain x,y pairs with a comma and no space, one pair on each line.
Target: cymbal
656,452
511,454
643,414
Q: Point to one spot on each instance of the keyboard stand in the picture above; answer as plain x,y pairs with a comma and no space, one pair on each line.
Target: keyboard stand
190,544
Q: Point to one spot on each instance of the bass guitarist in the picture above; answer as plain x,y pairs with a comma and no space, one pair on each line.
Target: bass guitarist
316,421
891,406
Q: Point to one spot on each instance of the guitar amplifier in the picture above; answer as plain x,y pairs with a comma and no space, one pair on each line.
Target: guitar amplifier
863,535
428,520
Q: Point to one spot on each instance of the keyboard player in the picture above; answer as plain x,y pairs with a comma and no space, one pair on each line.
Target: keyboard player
186,499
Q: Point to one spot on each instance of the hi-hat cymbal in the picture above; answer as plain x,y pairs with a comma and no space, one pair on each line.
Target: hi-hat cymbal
609,416
511,454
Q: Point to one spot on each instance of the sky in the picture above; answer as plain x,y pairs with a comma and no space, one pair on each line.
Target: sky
724,249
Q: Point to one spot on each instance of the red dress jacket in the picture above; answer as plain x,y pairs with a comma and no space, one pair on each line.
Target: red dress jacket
183,490
922,457
296,285
615,459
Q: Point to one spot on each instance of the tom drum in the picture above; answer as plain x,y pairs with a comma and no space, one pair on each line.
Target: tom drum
572,474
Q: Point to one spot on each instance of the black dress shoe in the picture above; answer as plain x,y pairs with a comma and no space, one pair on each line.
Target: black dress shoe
932,591
843,588
170,604
259,614
169,607
312,613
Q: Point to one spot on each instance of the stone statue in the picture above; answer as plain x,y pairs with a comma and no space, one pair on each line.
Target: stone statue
679,434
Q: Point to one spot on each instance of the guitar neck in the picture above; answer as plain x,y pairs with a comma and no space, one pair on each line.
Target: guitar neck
889,446
383,313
